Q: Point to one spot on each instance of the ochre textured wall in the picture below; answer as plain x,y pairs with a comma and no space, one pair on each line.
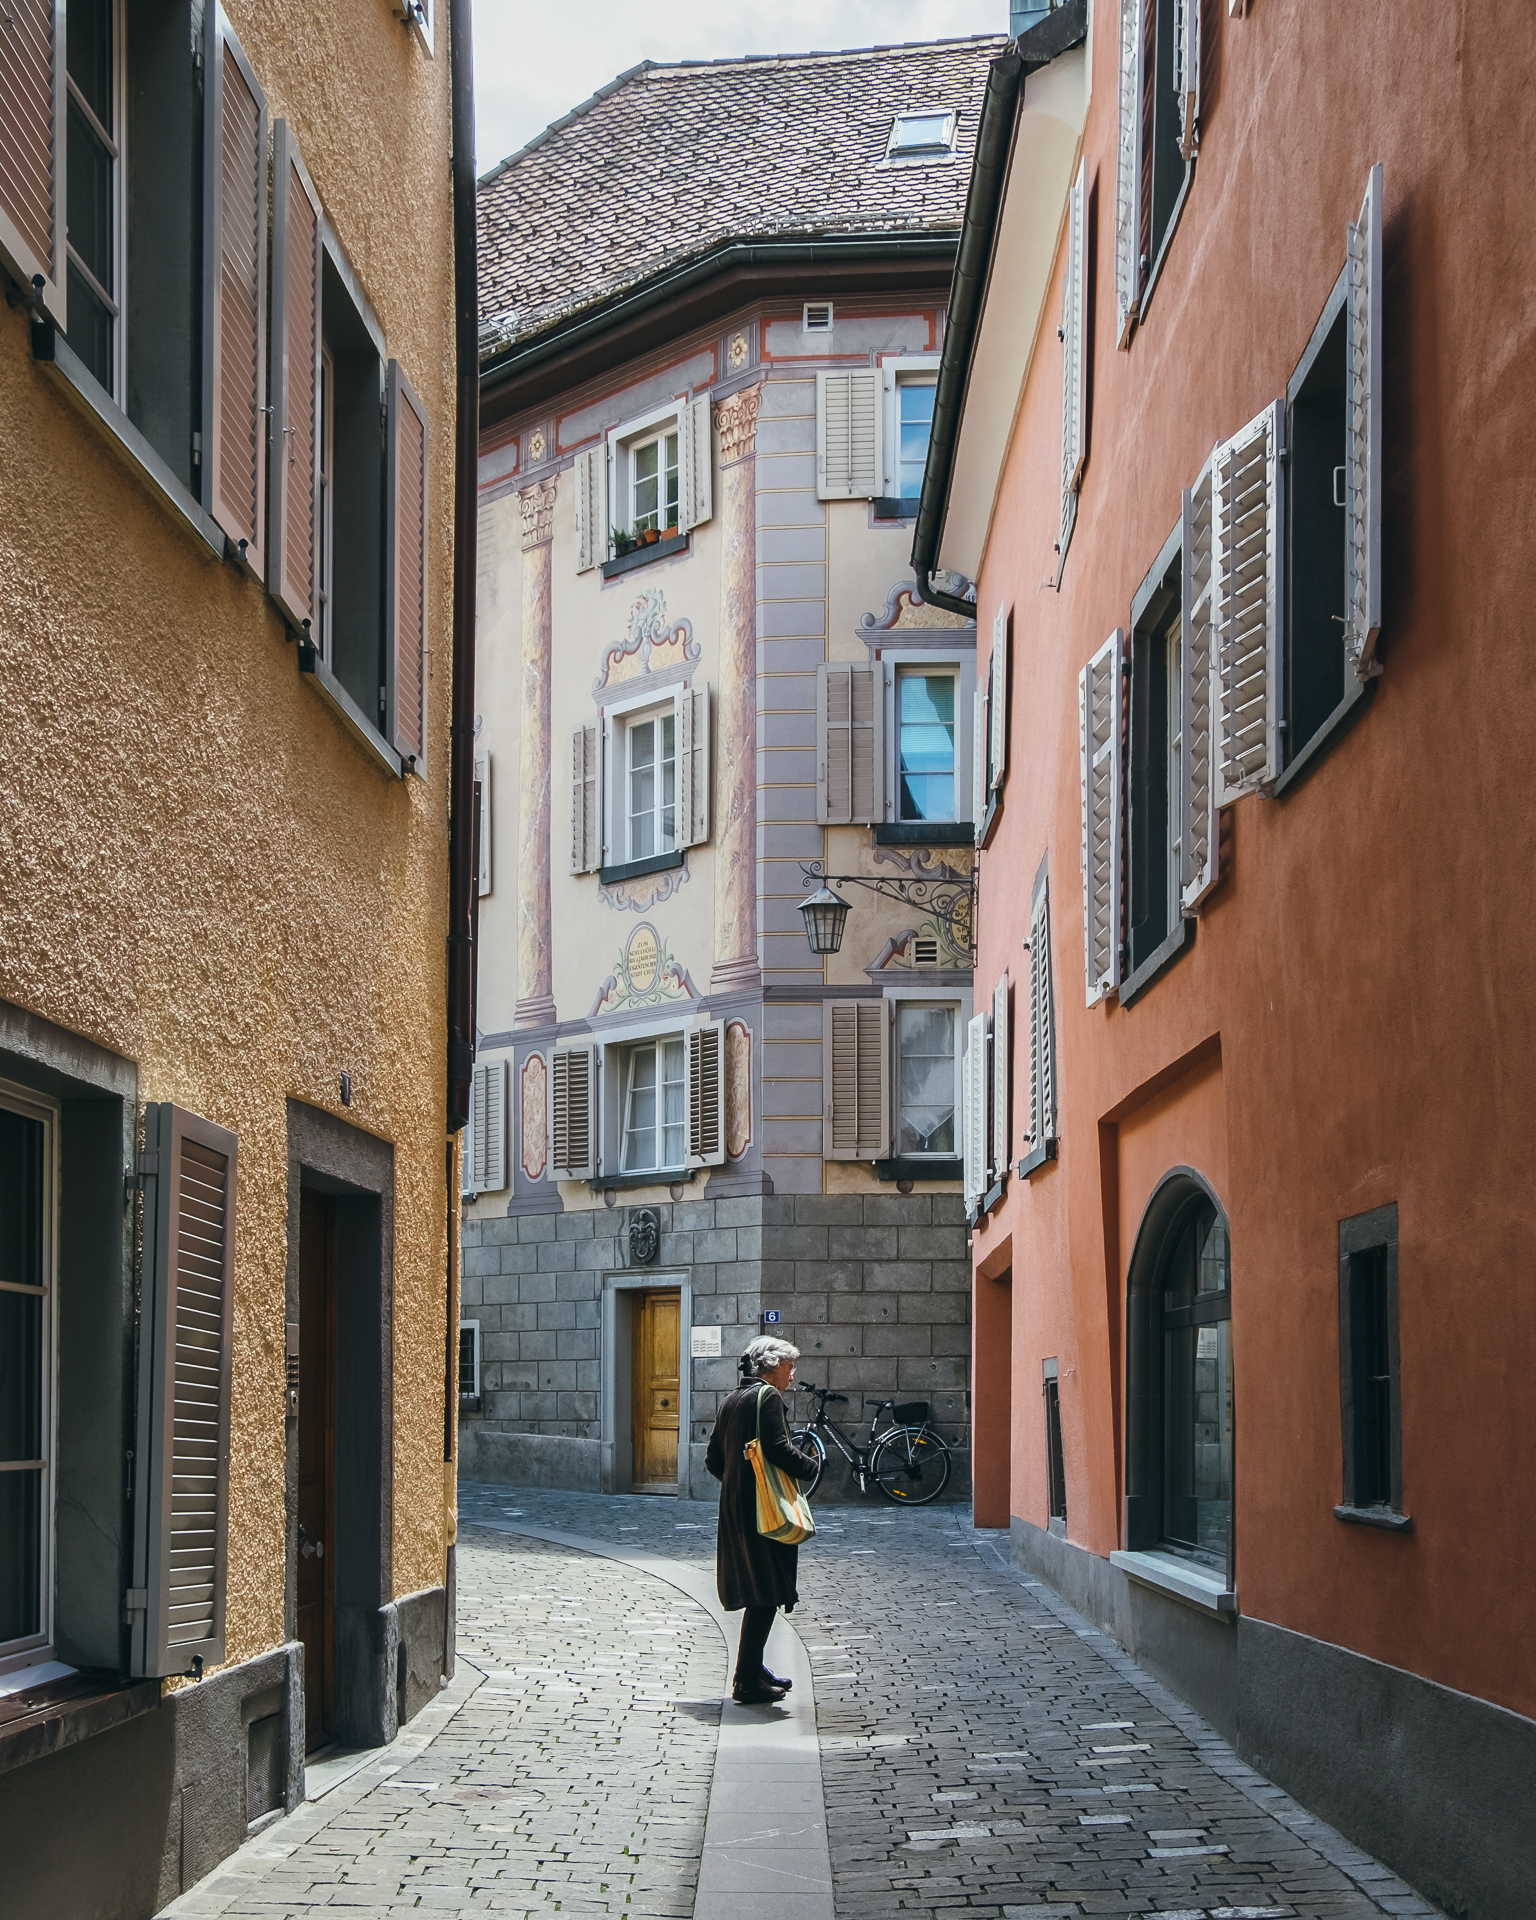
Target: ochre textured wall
203,869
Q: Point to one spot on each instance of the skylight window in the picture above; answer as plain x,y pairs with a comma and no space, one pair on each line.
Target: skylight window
927,135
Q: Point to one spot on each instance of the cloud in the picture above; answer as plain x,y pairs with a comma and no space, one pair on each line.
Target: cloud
536,59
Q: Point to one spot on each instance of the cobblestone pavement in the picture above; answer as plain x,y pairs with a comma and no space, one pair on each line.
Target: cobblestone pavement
984,1752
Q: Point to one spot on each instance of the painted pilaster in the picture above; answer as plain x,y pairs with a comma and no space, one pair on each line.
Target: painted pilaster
535,1002
736,962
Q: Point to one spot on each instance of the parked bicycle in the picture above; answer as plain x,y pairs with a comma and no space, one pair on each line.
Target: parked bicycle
906,1459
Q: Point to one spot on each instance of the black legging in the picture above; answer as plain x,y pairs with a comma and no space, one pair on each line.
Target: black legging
756,1624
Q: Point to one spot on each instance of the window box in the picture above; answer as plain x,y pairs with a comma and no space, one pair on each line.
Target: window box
924,833
921,1167
1184,1579
641,556
891,507
622,1182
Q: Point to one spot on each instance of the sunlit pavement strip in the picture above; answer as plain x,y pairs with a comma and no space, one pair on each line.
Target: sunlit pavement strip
958,1708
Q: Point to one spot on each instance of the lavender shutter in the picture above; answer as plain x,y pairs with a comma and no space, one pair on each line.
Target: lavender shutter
706,1095
32,130
235,296
1362,427
405,569
856,1079
293,515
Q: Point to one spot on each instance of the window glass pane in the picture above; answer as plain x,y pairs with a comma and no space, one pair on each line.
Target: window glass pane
640,1118
88,55
926,724
925,1080
915,400
1175,772
21,1535
674,1111
668,783
642,790
669,518
920,132
21,1377
647,483
23,1143
23,1363
1197,1455
1215,1273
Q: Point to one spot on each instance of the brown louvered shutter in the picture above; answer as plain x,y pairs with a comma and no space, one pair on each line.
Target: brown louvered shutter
182,1462
32,123
856,1079
235,299
572,1113
405,570
706,1095
850,710
291,545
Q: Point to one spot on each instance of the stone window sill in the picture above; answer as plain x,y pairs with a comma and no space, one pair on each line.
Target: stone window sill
1035,1160
1382,1517
1157,962
925,833
314,669
643,556
637,869
939,1166
620,1182
62,1712
1182,1578
891,507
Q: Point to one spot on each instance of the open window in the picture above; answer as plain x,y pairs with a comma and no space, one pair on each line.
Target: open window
640,784
642,1105
1158,136
908,388
647,484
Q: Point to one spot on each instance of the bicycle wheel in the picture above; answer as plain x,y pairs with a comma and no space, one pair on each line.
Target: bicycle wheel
910,1466
809,1437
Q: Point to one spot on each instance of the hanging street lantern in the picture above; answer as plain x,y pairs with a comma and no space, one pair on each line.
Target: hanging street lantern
824,914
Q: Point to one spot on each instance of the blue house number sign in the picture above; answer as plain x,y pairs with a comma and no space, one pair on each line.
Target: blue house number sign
770,1319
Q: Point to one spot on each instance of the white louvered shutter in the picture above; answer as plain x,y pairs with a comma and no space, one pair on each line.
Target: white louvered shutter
1362,426
586,798
1099,718
293,509
706,1095
176,1607
848,435
1001,1079
1199,838
488,1126
850,765
483,789
1128,178
1186,73
978,1132
1247,588
417,15
998,698
856,1079
1042,1041
573,1113
696,465
980,745
235,295
590,476
691,706
33,120
1074,358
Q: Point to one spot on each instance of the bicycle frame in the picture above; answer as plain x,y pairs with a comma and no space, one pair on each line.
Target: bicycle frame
825,1427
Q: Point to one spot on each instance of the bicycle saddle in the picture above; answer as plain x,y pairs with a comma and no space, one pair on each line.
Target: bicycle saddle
834,1396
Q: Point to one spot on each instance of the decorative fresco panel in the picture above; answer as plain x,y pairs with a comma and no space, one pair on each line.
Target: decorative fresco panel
533,1130
738,1088
650,645
644,975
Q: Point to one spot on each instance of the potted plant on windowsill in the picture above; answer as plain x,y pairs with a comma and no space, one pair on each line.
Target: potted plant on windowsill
670,533
649,537
623,542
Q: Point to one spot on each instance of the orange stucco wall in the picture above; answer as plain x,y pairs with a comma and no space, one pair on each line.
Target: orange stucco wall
1358,1001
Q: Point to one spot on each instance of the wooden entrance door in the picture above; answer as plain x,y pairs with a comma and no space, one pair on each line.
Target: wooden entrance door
317,1458
655,1391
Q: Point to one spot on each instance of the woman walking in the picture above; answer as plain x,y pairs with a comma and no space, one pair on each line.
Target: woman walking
751,1571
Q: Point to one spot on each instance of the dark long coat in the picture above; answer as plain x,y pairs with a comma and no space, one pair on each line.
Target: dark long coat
751,1571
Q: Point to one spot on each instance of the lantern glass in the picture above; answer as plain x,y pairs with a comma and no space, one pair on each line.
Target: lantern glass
824,914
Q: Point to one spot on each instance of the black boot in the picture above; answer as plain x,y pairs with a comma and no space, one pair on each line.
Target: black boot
748,1693
773,1680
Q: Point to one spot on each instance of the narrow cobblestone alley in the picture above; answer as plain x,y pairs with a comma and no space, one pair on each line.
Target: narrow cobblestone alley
982,1751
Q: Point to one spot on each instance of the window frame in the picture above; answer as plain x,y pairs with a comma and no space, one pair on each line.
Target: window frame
1164,101
628,1059
933,154
912,370
624,441
895,661
610,1048
117,145
1055,1451
1360,1236
471,1395
616,722
926,671
34,1649
957,1003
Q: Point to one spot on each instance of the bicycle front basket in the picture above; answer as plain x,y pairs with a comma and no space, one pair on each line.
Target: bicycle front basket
912,1413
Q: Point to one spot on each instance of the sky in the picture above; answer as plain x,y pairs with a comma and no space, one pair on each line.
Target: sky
536,59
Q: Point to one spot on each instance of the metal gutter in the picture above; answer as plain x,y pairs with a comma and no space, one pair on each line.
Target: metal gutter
1061,30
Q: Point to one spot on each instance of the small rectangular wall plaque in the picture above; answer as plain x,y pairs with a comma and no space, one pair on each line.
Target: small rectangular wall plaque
704,1343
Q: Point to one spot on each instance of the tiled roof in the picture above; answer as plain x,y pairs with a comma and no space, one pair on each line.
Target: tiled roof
669,162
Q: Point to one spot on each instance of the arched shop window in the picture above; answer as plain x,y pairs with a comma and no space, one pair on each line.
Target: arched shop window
1179,1377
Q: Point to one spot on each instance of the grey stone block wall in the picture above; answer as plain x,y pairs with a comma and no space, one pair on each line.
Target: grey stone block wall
873,1288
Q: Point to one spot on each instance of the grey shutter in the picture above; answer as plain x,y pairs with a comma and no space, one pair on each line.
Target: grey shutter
978,1136
1099,721
1001,1137
293,515
849,414
706,1095
1247,591
405,568
856,1079
483,783
488,1126
1074,355
696,465
573,1113
181,1518
1186,73
980,746
850,712
691,705
235,294
1198,835
998,698
1128,181
590,475
33,121
1042,1031
1362,426
587,798
475,1157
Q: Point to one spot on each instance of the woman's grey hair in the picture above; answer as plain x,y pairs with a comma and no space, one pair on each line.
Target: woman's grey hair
764,1355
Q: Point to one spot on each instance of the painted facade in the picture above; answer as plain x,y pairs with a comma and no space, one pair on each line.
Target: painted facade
1249,1191
612,947
221,947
